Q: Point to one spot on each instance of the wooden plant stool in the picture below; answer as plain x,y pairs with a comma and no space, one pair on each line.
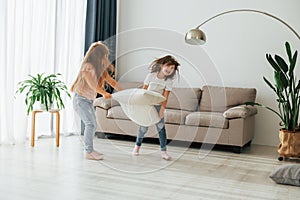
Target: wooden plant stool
54,111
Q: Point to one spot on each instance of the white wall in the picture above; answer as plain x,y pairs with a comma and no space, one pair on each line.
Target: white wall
234,54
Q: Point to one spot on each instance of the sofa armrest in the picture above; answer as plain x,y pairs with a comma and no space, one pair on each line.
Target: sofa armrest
104,103
241,111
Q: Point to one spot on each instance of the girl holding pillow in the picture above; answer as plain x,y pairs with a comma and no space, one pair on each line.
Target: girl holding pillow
92,76
160,79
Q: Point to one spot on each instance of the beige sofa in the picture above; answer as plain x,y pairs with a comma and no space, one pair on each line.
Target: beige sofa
211,115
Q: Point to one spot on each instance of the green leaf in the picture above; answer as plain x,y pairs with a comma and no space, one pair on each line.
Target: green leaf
298,87
269,84
272,62
284,81
288,50
258,104
293,63
281,63
278,81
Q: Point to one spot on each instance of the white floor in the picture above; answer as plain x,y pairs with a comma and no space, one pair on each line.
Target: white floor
47,172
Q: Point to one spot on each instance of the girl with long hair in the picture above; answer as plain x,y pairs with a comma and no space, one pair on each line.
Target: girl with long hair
90,80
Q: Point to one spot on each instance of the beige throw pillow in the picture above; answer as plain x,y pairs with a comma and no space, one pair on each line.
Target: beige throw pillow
240,112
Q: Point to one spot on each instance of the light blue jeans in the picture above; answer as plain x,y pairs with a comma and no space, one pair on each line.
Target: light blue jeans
86,111
160,126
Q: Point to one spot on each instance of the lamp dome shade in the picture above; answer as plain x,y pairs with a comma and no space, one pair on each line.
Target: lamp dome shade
195,37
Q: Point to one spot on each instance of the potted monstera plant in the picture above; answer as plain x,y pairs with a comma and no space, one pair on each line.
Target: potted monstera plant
287,89
45,90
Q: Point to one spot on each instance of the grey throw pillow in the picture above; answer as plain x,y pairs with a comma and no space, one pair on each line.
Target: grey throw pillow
288,174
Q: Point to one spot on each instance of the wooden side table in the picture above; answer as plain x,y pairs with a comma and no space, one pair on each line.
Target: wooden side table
54,111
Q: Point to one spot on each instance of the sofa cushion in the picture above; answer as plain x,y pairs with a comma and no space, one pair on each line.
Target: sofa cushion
219,99
184,99
174,116
207,119
242,111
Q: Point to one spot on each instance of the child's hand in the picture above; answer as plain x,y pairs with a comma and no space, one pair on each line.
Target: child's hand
107,96
161,112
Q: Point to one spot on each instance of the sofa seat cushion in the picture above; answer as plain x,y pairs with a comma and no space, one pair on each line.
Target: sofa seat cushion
116,112
174,116
184,99
207,119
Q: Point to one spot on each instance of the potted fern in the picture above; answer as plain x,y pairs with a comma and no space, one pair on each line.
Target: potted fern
46,90
287,90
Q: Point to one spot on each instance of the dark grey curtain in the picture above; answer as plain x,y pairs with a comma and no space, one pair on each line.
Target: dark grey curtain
101,22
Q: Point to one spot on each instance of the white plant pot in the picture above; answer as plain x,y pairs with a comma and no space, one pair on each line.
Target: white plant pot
40,106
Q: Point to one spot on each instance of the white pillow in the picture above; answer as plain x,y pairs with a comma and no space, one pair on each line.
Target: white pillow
138,105
136,96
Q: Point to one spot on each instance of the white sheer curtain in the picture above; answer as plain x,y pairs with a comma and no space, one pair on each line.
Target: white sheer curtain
37,37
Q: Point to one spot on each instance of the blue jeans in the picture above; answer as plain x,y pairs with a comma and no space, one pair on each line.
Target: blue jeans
86,111
160,126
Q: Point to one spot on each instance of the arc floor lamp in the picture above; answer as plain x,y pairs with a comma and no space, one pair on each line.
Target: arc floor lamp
197,37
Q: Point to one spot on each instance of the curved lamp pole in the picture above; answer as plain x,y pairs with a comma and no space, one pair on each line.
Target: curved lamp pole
197,37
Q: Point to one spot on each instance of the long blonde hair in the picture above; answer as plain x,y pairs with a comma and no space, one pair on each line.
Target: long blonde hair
97,52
